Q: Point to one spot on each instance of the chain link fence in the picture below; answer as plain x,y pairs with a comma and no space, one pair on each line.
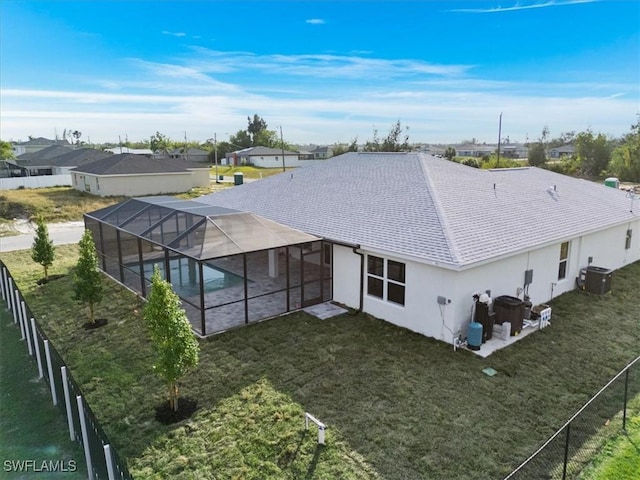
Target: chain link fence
575,444
102,460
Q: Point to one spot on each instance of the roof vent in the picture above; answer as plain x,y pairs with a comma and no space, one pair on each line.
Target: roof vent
553,192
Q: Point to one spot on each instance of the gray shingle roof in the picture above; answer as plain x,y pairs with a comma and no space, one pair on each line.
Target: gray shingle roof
429,208
131,164
78,157
42,157
44,141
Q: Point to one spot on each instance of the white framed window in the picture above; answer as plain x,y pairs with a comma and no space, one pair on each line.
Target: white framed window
564,260
386,279
627,240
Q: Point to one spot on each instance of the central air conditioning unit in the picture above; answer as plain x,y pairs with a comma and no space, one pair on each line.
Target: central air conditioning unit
595,279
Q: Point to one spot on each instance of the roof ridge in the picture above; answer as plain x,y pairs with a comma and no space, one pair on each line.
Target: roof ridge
454,253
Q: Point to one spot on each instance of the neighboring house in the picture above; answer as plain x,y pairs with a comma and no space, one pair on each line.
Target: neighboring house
55,160
8,169
266,157
132,175
474,150
514,150
412,237
62,164
315,152
436,150
190,154
135,151
563,151
39,162
36,144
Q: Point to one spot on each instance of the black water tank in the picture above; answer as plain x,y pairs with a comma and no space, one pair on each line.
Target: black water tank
509,309
598,280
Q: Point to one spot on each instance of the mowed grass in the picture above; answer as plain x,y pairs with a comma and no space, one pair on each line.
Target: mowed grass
249,171
397,405
55,204
620,457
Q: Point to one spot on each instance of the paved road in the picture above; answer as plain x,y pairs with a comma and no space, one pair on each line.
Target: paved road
61,234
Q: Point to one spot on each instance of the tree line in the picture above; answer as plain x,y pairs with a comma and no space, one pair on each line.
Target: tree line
595,154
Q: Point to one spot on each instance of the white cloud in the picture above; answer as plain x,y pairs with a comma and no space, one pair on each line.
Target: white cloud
316,98
434,115
318,65
315,21
175,34
519,6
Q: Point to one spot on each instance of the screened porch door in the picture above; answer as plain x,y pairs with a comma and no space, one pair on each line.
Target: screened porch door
315,269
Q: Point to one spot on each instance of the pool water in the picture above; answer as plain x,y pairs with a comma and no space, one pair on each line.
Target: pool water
31,427
184,276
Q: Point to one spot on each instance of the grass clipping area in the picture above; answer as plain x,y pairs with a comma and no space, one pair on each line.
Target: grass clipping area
397,405
258,433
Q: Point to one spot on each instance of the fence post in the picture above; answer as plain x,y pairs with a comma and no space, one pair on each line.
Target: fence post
67,401
566,452
16,306
24,309
3,282
624,408
10,294
85,437
12,299
23,317
107,456
28,332
6,283
35,345
52,381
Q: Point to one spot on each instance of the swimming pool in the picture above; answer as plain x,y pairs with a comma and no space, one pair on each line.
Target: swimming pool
184,276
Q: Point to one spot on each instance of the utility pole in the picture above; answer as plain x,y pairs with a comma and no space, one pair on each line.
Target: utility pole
186,147
215,154
499,135
282,146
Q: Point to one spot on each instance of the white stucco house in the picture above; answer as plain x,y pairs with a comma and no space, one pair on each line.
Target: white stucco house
266,157
134,175
407,228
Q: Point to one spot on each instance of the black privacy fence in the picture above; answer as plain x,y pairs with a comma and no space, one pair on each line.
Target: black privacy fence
102,460
574,445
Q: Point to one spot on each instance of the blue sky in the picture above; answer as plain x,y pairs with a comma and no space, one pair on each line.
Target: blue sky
325,71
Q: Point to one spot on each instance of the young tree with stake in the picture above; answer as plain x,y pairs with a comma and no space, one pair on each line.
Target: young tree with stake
175,346
42,250
87,282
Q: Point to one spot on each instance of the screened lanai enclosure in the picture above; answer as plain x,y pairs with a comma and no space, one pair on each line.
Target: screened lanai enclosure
228,267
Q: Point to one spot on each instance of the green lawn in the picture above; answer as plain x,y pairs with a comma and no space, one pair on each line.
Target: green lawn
397,405
248,171
620,457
